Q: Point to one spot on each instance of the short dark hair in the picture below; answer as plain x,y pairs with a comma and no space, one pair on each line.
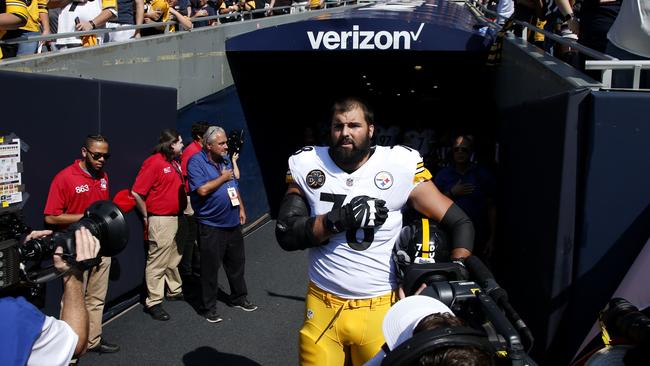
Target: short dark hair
198,130
167,138
349,103
91,139
452,355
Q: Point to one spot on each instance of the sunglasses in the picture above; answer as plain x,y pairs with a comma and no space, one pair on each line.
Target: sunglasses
461,149
98,155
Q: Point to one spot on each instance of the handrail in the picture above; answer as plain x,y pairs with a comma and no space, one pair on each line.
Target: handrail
603,62
167,24
606,68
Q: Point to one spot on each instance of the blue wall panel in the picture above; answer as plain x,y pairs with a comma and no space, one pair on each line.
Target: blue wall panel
67,110
224,109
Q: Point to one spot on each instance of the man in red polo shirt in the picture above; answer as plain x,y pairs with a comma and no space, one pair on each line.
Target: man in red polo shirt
71,192
160,197
190,262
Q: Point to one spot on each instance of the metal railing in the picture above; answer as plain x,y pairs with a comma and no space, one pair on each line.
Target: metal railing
244,15
603,62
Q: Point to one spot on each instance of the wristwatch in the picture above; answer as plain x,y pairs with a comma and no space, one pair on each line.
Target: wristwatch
569,17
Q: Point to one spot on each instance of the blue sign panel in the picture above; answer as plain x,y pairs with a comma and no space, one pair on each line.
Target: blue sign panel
430,26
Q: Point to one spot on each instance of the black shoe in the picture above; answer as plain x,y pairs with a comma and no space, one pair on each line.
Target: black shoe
213,317
244,305
158,313
177,297
105,347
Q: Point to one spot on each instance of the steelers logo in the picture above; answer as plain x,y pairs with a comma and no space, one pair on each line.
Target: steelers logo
315,179
384,180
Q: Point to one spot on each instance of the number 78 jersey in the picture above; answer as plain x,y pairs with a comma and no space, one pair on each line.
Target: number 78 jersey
356,264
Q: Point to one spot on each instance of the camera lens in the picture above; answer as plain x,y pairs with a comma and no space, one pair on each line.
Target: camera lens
622,319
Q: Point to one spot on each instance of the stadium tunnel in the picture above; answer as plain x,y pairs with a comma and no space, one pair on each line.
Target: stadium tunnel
413,64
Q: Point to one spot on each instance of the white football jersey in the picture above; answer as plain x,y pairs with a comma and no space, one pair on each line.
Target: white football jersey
356,264
386,136
421,141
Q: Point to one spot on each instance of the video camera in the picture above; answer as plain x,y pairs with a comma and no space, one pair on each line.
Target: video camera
21,263
468,289
235,142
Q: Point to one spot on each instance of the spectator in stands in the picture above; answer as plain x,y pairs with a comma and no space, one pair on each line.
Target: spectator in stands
629,39
82,16
160,11
72,190
201,8
189,263
229,7
27,336
416,314
252,5
160,197
13,15
220,212
38,19
285,6
596,18
125,17
472,187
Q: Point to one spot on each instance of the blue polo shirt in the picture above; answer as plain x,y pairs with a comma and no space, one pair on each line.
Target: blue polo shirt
20,326
215,209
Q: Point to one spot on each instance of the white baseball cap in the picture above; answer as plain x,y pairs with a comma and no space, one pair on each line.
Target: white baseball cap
405,315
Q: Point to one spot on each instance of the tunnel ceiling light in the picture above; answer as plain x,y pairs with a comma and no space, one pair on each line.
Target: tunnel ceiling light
368,83
412,91
418,67
435,86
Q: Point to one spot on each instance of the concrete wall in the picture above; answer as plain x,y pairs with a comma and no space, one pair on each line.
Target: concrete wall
183,60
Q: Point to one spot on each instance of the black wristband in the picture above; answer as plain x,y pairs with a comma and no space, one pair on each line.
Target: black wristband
569,17
93,24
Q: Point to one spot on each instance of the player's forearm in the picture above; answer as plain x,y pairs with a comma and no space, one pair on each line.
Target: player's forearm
10,21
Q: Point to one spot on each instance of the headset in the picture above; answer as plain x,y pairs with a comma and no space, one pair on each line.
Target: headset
430,340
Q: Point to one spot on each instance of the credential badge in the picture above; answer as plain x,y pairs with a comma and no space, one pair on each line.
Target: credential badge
383,180
315,179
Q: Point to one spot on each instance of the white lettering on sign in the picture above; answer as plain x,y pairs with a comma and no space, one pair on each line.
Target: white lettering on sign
363,40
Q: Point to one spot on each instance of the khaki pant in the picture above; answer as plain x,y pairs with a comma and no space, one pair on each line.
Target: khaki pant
162,260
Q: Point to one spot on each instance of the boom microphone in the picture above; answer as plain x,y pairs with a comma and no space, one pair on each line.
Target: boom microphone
485,278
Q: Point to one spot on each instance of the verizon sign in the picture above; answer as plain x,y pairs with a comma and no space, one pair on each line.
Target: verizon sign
363,40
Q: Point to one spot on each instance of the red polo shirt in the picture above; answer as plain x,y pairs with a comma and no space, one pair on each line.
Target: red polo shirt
159,183
189,151
73,190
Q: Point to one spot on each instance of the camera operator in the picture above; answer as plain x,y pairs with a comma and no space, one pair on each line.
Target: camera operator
27,336
416,314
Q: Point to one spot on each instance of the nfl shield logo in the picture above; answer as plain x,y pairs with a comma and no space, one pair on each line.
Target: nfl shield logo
349,182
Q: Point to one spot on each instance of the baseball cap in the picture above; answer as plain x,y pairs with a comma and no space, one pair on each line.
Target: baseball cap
404,316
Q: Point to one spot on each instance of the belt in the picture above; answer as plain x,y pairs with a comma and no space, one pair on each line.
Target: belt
153,214
342,304
336,301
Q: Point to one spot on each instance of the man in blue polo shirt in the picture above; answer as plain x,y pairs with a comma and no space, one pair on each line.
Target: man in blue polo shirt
219,211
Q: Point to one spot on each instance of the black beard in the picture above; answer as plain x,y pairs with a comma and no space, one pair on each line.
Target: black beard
348,158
